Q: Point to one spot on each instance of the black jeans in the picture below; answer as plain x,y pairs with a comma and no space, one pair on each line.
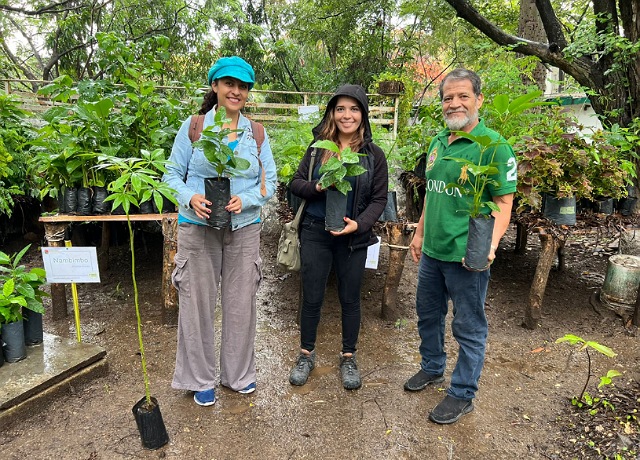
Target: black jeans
319,250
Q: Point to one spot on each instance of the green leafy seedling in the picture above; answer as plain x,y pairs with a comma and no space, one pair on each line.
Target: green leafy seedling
343,164
586,345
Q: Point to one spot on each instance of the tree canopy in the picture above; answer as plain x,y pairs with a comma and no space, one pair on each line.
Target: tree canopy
596,42
314,45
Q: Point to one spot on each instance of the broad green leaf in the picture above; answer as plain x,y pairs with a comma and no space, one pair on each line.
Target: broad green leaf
501,103
355,170
327,145
602,349
8,287
572,339
344,187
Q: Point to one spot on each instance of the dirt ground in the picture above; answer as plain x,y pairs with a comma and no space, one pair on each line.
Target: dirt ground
523,408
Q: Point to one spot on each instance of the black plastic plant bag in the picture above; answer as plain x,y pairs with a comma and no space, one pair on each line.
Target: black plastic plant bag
335,211
70,200
479,243
153,433
84,201
99,205
14,348
32,325
146,207
561,211
218,191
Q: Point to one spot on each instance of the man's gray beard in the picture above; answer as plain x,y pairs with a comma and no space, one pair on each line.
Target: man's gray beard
458,124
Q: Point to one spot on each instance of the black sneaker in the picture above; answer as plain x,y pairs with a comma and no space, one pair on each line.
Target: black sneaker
421,380
305,364
450,410
349,372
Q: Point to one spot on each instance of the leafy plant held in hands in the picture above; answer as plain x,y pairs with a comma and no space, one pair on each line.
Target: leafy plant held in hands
344,163
477,175
216,150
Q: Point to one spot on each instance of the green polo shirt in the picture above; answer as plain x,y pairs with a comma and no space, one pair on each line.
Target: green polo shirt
446,217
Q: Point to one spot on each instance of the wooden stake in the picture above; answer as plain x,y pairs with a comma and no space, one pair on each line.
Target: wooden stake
54,234
549,246
399,236
169,249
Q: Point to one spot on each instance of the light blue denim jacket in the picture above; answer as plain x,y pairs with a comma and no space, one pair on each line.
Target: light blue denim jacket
185,159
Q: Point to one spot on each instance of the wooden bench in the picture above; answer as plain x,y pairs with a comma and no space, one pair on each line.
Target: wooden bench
55,229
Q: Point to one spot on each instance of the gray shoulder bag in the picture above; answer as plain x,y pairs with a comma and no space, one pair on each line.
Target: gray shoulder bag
289,245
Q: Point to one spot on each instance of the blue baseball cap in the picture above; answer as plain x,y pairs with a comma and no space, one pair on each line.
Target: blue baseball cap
233,66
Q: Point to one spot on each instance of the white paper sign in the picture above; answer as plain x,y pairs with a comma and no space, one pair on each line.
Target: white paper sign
71,265
373,253
307,112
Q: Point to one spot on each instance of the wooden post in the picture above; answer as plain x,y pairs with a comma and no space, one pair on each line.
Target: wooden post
54,234
521,238
169,293
549,246
103,252
396,107
561,256
399,236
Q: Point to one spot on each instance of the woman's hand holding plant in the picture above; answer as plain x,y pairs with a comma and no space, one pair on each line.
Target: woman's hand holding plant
199,204
235,205
351,227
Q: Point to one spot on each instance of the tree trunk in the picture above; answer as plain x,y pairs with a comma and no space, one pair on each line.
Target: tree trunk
613,76
398,237
549,246
530,27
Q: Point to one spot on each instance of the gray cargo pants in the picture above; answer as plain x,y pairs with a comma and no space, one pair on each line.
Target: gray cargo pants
207,258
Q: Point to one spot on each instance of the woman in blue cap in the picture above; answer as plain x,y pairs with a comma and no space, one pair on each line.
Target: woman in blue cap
209,257
345,122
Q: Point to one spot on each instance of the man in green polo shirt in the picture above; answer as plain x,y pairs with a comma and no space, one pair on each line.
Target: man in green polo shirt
439,246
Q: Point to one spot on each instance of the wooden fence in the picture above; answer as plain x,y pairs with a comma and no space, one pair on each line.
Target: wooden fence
383,109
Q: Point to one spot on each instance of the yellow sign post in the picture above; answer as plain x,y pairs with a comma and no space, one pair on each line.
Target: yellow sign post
76,306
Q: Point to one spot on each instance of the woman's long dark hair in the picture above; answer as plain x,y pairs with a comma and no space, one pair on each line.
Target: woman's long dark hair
209,101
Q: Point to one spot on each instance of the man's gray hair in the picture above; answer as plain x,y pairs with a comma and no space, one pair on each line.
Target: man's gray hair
463,74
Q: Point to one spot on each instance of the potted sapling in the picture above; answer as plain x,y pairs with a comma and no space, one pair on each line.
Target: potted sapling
20,298
475,177
226,164
342,164
473,181
137,182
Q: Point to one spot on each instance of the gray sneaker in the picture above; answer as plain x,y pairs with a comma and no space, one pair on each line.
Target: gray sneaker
305,364
349,371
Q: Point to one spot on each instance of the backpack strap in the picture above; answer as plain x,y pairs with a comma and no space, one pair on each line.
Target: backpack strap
195,130
258,135
195,127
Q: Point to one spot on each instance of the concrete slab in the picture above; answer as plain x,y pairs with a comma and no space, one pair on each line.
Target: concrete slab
48,369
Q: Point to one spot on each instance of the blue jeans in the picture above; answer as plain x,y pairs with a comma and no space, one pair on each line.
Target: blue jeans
319,250
438,282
